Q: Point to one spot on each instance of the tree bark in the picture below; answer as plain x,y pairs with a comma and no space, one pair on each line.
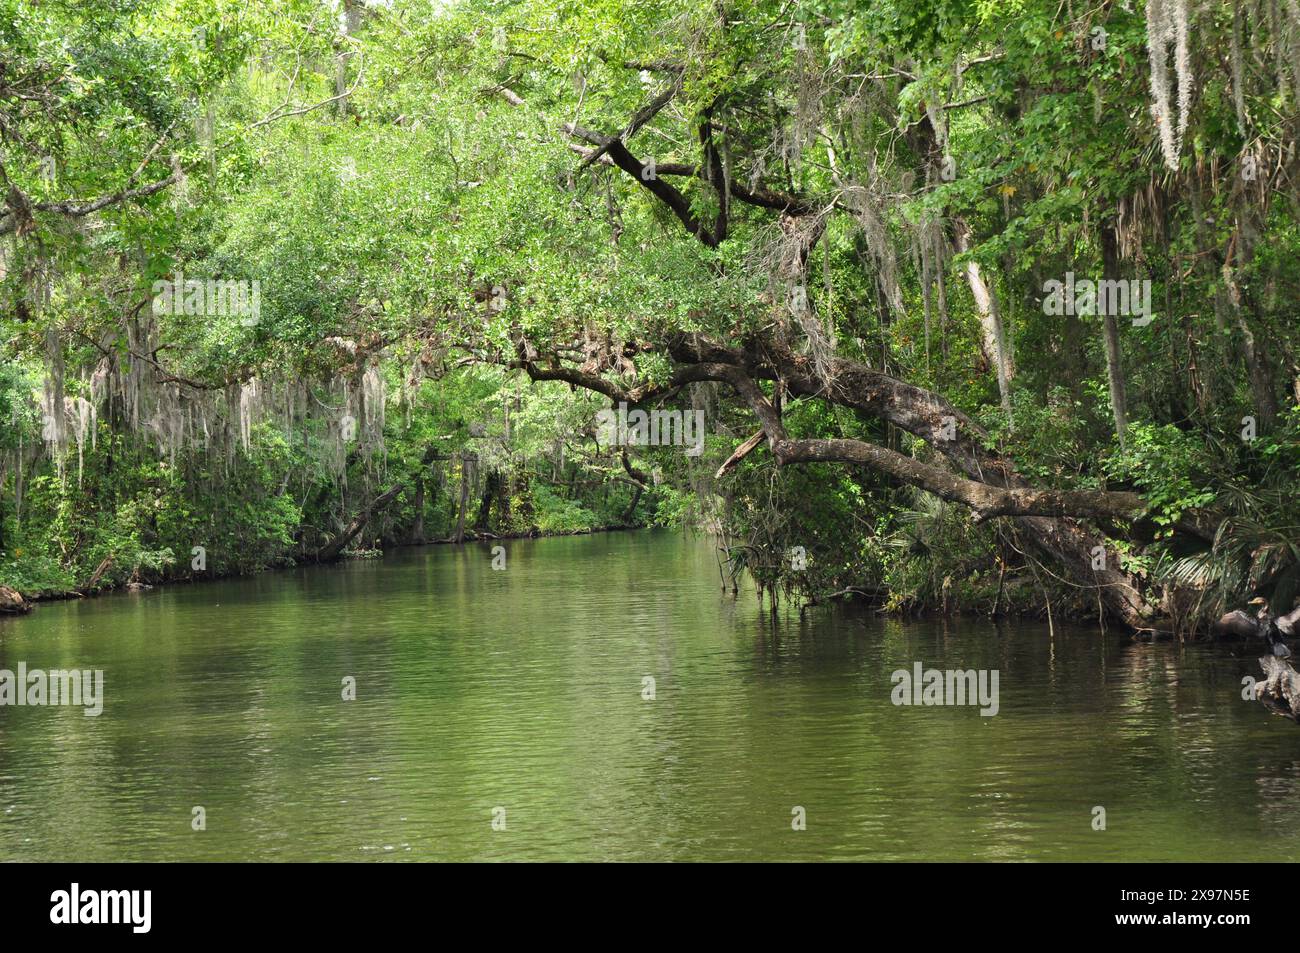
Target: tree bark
351,20
630,512
485,500
1244,301
1110,331
993,337
417,528
467,461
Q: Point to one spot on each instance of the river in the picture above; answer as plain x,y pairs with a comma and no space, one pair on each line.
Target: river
505,714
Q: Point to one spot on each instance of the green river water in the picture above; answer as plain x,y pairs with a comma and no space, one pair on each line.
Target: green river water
518,694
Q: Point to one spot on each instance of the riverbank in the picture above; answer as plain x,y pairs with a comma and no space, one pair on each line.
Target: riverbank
19,601
1012,599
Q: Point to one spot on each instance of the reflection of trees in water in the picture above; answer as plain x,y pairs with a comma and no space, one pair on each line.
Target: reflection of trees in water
1187,727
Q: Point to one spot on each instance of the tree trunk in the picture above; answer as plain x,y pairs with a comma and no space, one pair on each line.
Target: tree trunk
994,338
626,518
331,550
97,575
467,461
1261,380
351,20
1245,300
1110,326
485,500
417,528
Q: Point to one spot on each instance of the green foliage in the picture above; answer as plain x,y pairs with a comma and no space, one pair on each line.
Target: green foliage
432,224
1170,468
553,514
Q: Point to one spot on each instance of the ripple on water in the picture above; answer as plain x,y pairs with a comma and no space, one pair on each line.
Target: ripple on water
519,695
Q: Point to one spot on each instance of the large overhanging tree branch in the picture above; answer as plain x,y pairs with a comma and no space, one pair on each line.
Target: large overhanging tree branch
759,197
648,176
613,150
924,414
984,480
998,491
20,216
643,116
636,394
980,477
984,500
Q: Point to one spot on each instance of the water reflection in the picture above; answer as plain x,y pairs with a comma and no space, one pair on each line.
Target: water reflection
522,690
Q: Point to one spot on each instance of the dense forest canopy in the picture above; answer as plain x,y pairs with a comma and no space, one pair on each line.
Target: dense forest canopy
986,305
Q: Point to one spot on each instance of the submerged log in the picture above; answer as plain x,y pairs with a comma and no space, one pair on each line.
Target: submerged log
1280,690
1240,624
11,601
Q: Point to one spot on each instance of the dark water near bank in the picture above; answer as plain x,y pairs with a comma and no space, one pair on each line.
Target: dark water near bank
522,690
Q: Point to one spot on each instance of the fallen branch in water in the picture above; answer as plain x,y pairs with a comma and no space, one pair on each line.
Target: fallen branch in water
97,575
331,550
